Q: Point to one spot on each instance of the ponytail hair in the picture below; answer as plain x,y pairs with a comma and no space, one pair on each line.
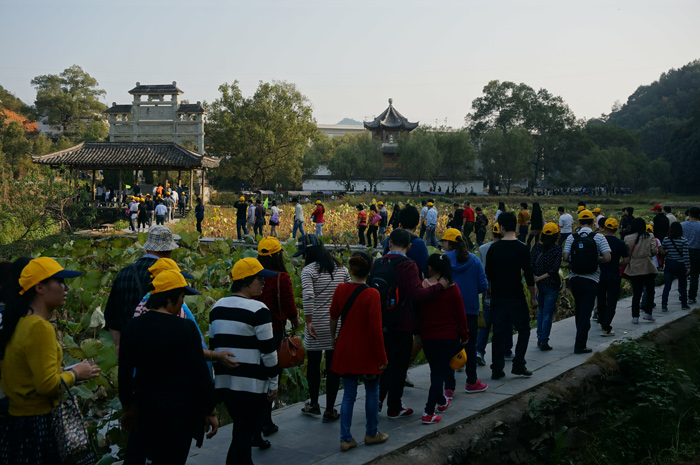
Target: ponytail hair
462,250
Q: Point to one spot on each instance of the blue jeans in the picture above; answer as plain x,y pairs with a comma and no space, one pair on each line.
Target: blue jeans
674,270
483,337
241,225
371,407
430,238
298,225
319,227
547,304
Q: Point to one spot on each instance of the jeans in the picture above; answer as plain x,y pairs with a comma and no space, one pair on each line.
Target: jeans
694,273
547,304
319,228
506,314
382,230
439,352
160,219
483,337
639,285
149,216
246,410
313,376
258,229
562,238
522,233
674,270
241,226
199,225
134,224
422,231
480,236
608,293
467,234
298,225
398,353
372,232
361,234
430,238
584,291
371,407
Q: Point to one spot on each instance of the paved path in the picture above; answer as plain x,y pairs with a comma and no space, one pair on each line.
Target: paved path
305,440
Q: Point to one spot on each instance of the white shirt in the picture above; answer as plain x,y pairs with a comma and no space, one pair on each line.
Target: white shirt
566,222
299,213
671,218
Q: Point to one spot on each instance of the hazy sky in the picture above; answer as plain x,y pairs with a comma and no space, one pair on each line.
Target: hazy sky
432,57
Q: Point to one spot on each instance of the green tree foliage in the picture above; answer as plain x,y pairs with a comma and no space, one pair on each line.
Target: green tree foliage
320,152
504,156
264,137
70,100
682,152
355,157
15,148
458,157
418,157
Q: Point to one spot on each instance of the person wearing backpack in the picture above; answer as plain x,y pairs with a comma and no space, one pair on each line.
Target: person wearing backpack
675,248
398,281
359,348
641,269
585,250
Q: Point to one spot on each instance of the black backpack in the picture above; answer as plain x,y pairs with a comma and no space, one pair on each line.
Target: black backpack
384,278
584,254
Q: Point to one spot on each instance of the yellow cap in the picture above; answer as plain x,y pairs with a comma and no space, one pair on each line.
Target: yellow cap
163,264
585,215
318,202
241,199
247,267
380,203
269,246
496,228
650,228
550,229
40,269
611,223
167,280
451,234
596,210
581,208
430,204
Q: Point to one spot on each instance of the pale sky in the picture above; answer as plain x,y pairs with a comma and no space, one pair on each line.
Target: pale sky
432,57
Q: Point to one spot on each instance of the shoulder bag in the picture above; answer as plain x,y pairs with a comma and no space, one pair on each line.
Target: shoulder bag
69,429
623,268
291,351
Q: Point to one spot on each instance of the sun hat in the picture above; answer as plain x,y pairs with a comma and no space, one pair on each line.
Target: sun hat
496,228
452,234
269,246
241,199
247,267
650,228
550,229
40,269
163,264
611,223
160,239
167,280
585,215
580,208
596,210
656,207
306,241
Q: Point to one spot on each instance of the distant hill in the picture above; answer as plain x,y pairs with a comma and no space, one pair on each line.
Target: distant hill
350,122
10,102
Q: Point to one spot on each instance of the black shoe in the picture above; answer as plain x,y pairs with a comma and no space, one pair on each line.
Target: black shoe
522,371
585,350
408,383
545,346
497,375
692,301
270,429
261,443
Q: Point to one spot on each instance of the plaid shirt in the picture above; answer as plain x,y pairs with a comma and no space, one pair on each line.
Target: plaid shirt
125,294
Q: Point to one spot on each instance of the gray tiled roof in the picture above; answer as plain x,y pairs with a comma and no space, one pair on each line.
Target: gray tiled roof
127,155
191,108
156,89
119,109
391,119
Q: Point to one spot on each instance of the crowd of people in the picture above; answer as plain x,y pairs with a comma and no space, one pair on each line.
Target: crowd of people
367,320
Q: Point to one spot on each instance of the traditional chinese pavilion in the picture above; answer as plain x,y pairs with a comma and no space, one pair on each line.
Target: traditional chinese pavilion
387,128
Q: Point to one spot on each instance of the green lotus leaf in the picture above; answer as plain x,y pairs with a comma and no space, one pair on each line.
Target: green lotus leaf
91,347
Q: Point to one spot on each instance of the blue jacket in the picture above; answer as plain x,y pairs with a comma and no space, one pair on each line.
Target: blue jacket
471,280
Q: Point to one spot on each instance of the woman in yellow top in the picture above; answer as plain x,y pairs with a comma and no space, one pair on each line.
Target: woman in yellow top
31,368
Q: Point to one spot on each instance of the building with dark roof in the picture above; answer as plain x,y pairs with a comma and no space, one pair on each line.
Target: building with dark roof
387,128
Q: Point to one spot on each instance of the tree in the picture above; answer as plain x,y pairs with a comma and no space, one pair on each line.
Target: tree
345,165
417,157
15,148
371,158
458,157
504,155
263,137
96,131
319,153
69,100
503,106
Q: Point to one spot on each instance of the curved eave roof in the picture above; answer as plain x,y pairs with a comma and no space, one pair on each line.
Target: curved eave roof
391,119
127,155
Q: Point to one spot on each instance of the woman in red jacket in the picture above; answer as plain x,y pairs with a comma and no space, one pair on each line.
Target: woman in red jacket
443,324
359,348
278,296
317,216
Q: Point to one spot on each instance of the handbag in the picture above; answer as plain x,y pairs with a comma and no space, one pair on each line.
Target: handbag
459,360
291,351
623,268
69,429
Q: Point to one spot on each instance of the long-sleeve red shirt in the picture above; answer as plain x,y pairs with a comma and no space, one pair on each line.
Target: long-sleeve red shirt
286,299
443,317
318,214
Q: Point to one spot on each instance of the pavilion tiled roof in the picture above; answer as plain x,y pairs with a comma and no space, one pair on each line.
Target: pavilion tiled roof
391,119
191,108
156,89
127,155
120,109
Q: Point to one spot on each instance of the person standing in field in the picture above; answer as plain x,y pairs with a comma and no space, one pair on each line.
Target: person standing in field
241,213
199,214
431,220
384,222
566,223
423,214
250,218
536,223
317,217
298,218
374,219
523,222
469,218
259,228
274,219
481,223
361,222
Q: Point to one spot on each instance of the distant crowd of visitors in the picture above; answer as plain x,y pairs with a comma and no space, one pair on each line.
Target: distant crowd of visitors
368,321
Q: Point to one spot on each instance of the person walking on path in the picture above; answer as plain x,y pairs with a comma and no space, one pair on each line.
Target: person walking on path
660,223
423,214
626,222
469,218
536,224
359,349
244,325
443,330
675,248
545,259
163,374
609,284
691,231
394,220
481,223
508,263
150,209
431,220
298,218
468,274
361,223
566,223
523,222
399,330
669,214
250,218
320,277
585,250
317,217
199,214
170,205
278,297
374,220
259,228
384,222
161,213
641,269
32,359
501,209
274,219
182,202
458,220
241,213
131,283
597,212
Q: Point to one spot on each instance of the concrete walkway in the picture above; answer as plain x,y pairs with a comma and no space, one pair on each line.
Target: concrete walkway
305,440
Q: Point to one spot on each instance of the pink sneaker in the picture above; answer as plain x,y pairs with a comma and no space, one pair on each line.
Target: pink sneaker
404,412
449,394
443,408
430,419
478,386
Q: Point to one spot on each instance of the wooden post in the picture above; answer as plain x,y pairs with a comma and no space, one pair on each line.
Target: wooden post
202,187
119,196
93,185
179,178
191,188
